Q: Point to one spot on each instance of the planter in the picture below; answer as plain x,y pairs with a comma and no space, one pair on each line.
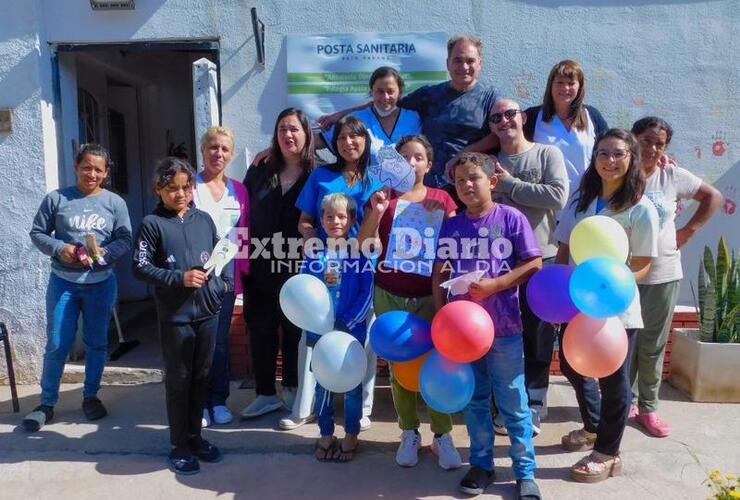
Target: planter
705,371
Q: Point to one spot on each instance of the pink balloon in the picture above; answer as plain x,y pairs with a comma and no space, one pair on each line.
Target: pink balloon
595,347
462,331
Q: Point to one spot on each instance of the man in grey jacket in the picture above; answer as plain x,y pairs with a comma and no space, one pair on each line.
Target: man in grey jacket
532,178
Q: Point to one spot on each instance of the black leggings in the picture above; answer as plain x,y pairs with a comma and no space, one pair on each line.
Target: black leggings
187,349
265,320
604,413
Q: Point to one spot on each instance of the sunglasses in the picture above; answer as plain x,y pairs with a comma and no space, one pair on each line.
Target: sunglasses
508,114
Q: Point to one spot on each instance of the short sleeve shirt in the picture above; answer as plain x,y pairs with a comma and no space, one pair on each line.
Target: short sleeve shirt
664,188
322,182
451,119
640,222
495,243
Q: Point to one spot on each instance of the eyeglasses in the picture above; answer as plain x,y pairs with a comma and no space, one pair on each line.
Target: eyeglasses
508,114
619,154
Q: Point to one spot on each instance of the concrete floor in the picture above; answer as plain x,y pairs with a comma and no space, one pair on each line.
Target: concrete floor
123,455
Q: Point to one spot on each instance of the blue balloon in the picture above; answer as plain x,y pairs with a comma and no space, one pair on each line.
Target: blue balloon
602,287
399,336
446,386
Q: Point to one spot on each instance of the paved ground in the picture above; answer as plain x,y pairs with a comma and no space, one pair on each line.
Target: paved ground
123,455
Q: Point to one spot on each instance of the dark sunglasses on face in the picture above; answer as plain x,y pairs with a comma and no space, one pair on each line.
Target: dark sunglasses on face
508,114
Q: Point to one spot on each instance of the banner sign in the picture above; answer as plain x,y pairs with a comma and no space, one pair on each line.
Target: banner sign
331,72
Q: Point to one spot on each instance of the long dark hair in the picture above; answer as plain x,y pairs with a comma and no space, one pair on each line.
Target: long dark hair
277,160
634,183
356,127
577,113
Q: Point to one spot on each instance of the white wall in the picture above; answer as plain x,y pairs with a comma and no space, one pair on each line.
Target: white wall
674,58
23,271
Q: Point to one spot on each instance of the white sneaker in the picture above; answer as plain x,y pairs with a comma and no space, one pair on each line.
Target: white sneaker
206,420
222,415
289,394
291,422
444,448
365,423
408,451
262,406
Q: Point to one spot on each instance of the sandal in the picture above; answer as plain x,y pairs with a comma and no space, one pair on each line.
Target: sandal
578,440
596,467
342,455
325,453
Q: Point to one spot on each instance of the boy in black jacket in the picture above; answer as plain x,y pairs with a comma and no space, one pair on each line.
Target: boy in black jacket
173,244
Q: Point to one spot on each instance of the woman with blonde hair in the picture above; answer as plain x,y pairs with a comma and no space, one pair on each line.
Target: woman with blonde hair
227,202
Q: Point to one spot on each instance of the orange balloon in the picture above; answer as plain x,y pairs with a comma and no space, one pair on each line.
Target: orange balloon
462,331
407,373
595,347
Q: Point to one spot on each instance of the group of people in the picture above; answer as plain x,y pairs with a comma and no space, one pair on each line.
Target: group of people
548,167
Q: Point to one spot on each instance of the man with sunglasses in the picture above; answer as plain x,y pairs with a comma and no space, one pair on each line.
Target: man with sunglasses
533,179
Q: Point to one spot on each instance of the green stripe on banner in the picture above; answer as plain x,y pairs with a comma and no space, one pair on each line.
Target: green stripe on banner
342,88
360,76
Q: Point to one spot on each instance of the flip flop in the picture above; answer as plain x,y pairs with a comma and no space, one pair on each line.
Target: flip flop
327,451
349,454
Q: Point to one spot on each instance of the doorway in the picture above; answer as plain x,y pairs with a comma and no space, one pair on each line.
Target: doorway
136,99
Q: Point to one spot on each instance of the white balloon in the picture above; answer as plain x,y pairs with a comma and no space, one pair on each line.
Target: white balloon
338,362
306,303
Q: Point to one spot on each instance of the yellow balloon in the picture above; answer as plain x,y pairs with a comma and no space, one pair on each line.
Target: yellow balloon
598,236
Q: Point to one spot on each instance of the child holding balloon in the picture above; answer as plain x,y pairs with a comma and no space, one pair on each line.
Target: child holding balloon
173,245
398,290
498,240
349,279
612,186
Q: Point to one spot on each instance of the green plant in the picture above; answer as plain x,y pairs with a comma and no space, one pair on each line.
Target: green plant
719,295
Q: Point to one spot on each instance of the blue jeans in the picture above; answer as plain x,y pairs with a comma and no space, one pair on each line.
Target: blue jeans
221,367
501,372
64,302
324,409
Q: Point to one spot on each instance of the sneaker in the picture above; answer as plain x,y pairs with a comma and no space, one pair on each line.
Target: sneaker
183,462
289,394
634,411
655,426
536,424
93,408
262,406
205,451
291,422
365,423
40,416
206,420
499,427
222,415
408,451
476,481
448,456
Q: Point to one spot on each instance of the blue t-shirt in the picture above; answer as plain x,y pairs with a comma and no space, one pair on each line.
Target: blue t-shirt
408,122
451,119
322,182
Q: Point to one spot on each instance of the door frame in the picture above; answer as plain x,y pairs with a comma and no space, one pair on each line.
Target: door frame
210,46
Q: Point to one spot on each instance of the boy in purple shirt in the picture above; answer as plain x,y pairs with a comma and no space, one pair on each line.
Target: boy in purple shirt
498,240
